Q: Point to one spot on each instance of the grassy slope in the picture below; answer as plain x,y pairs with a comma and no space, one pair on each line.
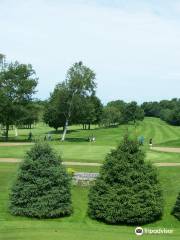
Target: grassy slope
76,148
79,226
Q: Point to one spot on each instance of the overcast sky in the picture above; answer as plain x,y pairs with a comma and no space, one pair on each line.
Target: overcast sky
133,46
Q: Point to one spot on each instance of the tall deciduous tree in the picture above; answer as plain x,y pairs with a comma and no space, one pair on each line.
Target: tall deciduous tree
110,116
88,110
120,106
79,82
31,115
133,112
17,85
54,109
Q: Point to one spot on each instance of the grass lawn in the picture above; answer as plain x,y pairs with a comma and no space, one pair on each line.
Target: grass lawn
77,148
79,225
172,143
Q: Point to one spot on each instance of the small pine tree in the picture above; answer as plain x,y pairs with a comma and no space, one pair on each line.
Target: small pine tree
176,209
42,188
127,190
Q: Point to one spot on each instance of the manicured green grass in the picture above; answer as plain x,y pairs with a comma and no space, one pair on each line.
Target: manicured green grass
79,225
77,148
172,143
155,128
157,157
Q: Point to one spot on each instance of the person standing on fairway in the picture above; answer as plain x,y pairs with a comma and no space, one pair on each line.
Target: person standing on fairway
150,143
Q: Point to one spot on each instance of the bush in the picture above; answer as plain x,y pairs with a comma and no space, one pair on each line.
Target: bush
127,190
42,188
176,209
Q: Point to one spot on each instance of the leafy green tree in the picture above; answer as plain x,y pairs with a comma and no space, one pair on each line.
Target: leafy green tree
42,187
98,109
110,116
54,113
17,85
2,60
176,208
119,104
31,115
88,110
79,82
151,109
168,104
127,190
167,110
53,117
133,112
166,115
120,107
174,117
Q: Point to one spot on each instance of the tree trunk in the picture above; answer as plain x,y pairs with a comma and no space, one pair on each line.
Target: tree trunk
7,131
89,126
65,131
16,131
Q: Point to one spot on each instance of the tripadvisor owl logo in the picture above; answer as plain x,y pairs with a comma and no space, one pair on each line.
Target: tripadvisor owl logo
139,231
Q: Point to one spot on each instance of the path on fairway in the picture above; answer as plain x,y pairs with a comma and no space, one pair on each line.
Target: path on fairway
166,149
9,144
17,160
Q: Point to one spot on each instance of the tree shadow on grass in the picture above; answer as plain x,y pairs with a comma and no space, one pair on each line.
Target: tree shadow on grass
14,139
61,131
76,139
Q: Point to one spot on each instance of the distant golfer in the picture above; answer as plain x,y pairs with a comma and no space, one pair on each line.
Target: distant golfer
49,137
30,136
150,143
141,140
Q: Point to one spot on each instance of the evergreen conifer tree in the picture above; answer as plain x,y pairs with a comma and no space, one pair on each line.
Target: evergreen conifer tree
127,190
176,209
42,187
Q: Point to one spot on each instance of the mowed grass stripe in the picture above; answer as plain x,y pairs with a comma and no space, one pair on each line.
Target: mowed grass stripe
79,225
77,148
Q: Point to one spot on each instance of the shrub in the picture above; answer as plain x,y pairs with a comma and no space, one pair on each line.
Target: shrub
42,187
127,190
176,209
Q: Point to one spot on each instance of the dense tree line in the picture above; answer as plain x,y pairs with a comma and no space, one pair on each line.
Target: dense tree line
120,112
167,110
